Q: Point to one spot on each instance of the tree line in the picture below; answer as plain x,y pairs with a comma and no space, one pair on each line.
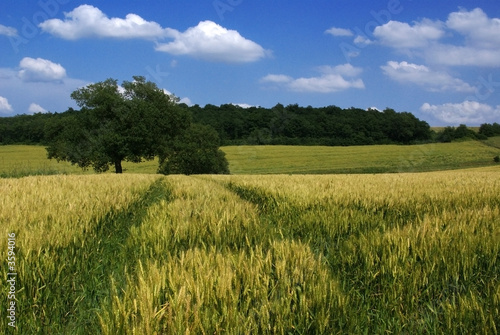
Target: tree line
330,125
296,125
138,121
290,125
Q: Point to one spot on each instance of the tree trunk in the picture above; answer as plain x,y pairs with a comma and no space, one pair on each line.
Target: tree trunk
118,166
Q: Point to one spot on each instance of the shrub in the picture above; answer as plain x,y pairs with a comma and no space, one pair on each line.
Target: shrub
195,152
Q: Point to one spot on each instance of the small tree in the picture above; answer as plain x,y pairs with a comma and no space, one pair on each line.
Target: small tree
446,135
196,151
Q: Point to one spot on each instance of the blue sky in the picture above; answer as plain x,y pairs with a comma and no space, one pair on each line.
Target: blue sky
439,60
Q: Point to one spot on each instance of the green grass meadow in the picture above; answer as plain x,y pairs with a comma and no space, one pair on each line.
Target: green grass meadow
23,160
358,159
18,160
493,142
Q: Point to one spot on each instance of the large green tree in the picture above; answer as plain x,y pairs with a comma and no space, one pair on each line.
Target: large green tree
134,122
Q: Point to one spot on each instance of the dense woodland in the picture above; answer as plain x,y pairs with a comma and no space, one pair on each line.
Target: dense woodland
291,125
311,126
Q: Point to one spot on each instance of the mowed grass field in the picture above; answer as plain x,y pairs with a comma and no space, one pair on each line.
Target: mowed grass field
409,253
493,142
25,160
359,159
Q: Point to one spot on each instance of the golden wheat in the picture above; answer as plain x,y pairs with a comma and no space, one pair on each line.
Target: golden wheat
401,253
54,210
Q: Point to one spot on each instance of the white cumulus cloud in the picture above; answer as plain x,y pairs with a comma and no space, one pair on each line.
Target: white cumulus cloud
5,107
362,40
212,42
36,108
89,21
244,105
207,41
477,27
277,78
401,35
421,75
339,32
331,79
481,45
184,100
467,112
39,69
473,39
463,55
346,70
7,31
53,95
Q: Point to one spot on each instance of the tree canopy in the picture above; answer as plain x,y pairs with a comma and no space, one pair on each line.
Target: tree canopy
134,122
195,151
296,125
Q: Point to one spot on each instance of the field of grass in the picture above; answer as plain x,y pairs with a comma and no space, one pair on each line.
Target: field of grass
414,253
24,160
17,161
358,159
493,141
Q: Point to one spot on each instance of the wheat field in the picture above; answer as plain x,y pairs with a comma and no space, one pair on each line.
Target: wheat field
247,254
